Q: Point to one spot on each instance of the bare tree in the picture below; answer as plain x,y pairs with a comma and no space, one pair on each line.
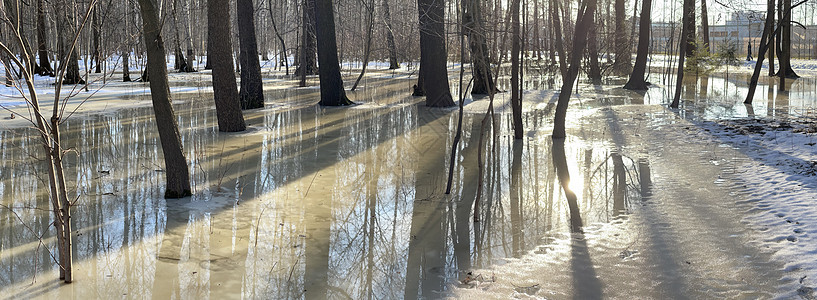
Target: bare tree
368,45
393,62
225,90
332,93
621,64
637,80
283,54
516,90
177,174
705,26
68,55
42,51
252,87
306,57
433,78
685,44
583,23
474,28
48,128
785,42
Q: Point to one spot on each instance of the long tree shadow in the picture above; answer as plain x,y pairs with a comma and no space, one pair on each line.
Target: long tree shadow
586,284
228,170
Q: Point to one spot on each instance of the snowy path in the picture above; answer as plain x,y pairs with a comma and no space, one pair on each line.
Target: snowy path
698,236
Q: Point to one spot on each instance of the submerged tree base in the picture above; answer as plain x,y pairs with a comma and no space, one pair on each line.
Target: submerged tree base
176,195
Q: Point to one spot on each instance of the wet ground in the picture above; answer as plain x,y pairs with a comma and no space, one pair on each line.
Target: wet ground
315,202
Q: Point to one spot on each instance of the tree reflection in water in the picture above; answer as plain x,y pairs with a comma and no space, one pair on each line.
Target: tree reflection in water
310,202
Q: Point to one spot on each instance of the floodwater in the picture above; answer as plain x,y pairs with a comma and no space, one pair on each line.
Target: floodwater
318,202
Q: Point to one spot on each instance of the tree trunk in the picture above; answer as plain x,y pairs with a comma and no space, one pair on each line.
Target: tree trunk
771,37
474,28
209,65
177,173
583,24
125,67
15,14
765,41
68,55
688,13
621,65
557,30
433,71
252,87
96,56
785,43
516,91
283,55
368,47
332,93
705,26
393,62
637,80
182,63
306,61
188,36
42,51
593,54
225,90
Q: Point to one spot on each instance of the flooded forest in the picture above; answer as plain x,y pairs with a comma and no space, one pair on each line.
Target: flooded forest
408,149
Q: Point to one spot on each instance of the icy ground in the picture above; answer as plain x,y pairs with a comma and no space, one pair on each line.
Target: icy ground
731,214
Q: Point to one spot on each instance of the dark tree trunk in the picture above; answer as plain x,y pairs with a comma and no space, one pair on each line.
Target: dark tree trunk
125,67
13,12
145,76
209,65
393,62
687,26
252,87
637,80
516,91
705,26
785,43
557,30
474,28
68,54
72,75
368,47
306,61
621,64
283,55
177,173
765,41
96,56
127,46
433,71
42,51
225,90
689,14
332,93
583,24
182,63
771,37
593,54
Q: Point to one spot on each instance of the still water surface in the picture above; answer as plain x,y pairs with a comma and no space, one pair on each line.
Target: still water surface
315,202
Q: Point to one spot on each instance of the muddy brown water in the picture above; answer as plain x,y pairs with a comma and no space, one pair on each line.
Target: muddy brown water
318,202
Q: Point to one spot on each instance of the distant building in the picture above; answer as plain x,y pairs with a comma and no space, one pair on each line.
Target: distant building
739,30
